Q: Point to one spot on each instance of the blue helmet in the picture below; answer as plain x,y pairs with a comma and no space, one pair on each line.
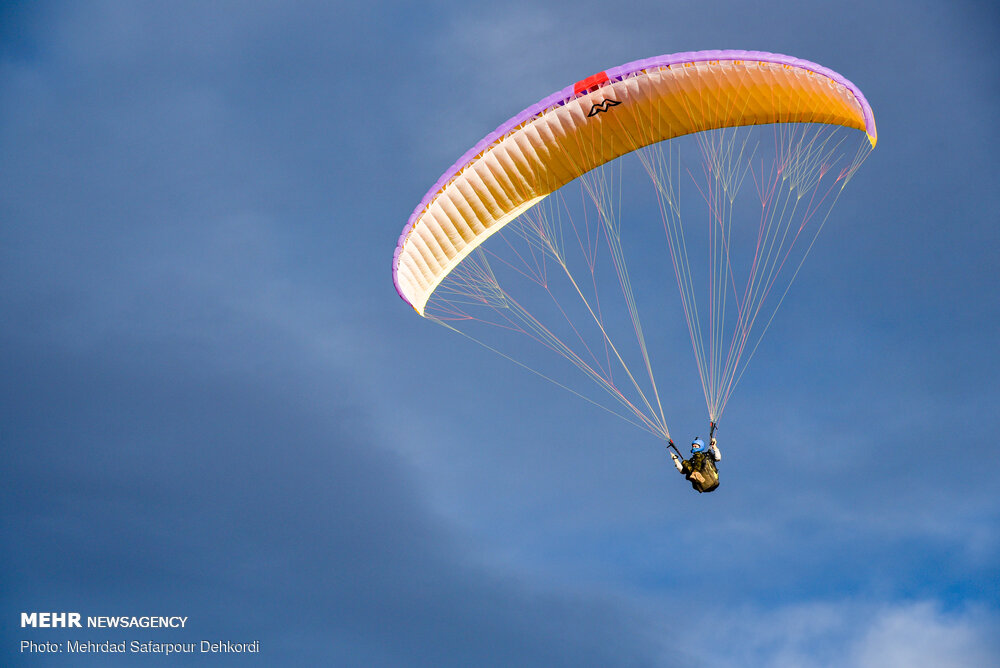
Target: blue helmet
697,445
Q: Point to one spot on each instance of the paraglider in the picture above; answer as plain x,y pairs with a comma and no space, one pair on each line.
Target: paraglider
746,153
701,470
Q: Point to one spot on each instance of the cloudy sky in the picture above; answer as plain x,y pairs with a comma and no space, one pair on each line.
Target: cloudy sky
213,403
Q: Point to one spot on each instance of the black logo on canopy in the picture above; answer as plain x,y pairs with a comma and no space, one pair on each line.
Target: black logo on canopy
602,106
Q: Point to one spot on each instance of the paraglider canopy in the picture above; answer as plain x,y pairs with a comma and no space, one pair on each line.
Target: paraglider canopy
550,143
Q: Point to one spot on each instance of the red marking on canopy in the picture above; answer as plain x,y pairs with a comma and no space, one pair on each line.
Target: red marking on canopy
584,85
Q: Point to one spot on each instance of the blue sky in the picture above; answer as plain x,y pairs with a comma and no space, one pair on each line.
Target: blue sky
213,404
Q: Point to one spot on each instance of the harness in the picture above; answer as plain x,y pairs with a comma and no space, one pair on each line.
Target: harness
701,472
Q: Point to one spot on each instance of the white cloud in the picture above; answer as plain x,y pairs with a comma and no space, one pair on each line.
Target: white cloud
921,635
851,634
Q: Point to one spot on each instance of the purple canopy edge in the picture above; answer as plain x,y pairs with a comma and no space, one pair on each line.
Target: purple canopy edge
615,74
